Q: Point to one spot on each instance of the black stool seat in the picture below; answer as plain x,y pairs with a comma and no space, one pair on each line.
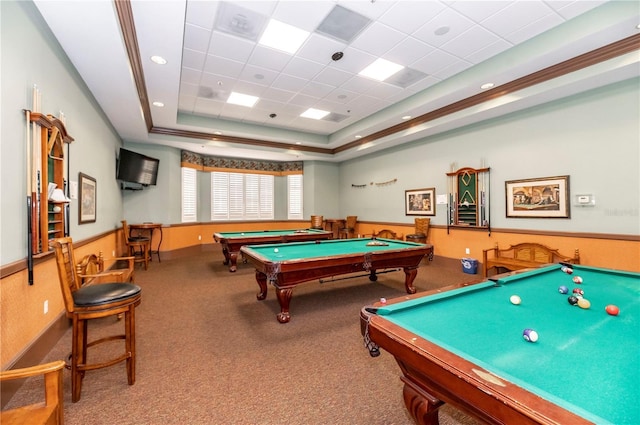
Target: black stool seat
104,293
138,238
417,237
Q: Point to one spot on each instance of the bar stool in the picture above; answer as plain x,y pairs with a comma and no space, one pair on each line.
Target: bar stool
139,247
84,303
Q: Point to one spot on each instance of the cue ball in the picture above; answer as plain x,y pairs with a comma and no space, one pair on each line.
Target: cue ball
530,335
275,250
612,310
563,289
515,299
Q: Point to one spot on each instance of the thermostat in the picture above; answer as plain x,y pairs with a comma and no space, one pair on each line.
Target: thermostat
585,200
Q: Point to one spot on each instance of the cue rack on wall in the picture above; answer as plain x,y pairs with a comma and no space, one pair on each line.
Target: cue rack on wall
468,199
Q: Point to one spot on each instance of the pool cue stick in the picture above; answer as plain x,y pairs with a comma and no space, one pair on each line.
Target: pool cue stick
29,209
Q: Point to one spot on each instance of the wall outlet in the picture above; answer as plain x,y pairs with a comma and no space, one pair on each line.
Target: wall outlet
113,253
199,237
467,251
46,306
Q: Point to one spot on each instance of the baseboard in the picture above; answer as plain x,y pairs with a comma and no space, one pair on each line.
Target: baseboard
34,354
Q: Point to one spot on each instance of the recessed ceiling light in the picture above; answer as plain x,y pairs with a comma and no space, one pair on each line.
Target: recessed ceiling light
158,104
285,37
381,69
358,136
316,114
406,117
242,99
298,143
486,86
218,133
159,60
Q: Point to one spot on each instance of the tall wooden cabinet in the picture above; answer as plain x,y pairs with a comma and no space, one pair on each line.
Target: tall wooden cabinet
48,218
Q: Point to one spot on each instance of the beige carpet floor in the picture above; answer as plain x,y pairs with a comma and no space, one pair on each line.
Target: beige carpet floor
210,353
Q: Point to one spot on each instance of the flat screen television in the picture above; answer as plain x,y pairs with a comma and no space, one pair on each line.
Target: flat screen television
137,168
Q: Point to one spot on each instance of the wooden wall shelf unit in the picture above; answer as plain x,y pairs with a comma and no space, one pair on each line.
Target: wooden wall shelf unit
469,198
48,218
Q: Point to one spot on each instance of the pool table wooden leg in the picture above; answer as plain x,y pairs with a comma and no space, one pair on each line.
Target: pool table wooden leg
261,278
232,261
409,276
284,298
422,406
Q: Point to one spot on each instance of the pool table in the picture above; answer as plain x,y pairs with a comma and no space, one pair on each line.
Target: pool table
232,241
287,265
464,345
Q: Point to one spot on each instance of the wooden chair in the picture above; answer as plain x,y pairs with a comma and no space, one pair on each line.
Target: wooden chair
49,412
84,303
91,269
349,229
317,222
421,231
138,247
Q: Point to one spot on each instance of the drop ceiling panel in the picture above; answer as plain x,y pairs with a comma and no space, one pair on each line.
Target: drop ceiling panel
432,32
377,39
408,16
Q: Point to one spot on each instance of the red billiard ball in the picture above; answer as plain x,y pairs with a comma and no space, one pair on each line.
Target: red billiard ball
612,310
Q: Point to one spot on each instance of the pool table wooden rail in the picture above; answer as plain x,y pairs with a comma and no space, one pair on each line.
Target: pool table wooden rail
433,376
287,274
231,244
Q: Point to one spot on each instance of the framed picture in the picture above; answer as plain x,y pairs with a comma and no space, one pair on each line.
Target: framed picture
420,201
87,206
546,197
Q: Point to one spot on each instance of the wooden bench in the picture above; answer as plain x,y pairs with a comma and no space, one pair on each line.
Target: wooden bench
523,256
91,269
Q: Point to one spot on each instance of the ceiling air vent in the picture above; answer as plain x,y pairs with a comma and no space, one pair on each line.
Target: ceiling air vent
343,24
335,117
209,93
405,77
239,21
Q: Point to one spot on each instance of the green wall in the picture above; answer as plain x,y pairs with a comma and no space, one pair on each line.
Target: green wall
593,137
30,56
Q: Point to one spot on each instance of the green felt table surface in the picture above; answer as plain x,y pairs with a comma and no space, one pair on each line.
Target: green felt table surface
585,360
267,233
327,248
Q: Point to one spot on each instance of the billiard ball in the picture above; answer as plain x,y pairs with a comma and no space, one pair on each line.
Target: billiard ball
567,270
563,289
530,335
383,300
577,279
584,303
573,300
515,299
612,310
276,250
578,292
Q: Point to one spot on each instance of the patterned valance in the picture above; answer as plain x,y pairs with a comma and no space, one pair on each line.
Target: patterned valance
214,163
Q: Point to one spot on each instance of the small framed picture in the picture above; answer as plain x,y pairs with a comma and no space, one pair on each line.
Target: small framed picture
545,197
87,206
420,201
